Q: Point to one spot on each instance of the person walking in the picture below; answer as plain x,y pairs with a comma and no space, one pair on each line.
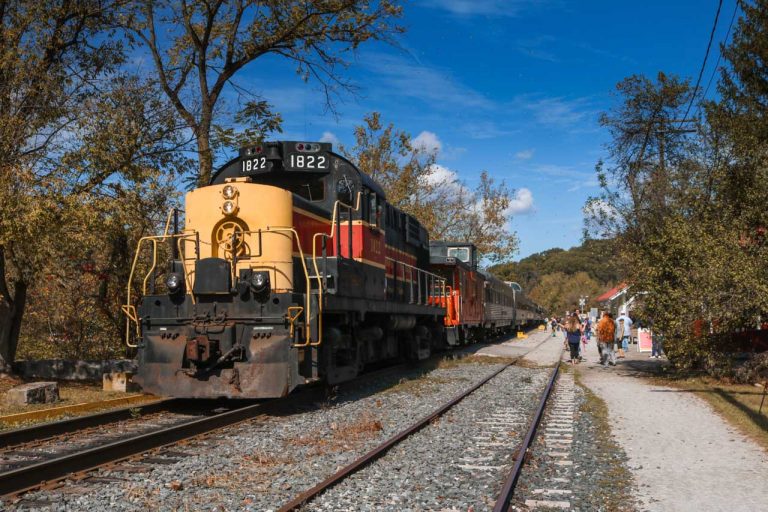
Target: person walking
606,330
657,344
573,336
623,332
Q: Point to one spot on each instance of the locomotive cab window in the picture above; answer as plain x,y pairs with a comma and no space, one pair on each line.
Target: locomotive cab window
460,253
374,210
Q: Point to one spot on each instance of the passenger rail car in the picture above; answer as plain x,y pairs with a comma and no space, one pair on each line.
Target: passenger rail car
478,302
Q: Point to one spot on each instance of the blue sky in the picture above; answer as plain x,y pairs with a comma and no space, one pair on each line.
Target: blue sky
512,87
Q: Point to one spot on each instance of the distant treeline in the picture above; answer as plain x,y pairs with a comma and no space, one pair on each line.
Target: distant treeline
556,278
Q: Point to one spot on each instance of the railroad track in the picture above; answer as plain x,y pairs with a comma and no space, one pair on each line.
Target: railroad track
504,497
36,469
41,457
38,456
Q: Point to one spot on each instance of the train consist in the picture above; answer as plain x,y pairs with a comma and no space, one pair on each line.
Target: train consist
292,267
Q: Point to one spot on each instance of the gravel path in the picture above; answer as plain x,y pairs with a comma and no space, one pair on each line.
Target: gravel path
683,455
260,464
457,463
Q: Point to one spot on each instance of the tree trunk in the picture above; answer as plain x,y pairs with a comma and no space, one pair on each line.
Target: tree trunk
11,314
205,157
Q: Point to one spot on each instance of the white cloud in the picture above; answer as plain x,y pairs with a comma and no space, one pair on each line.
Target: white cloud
427,142
330,137
525,154
400,78
485,130
522,203
442,174
558,111
536,47
599,208
508,8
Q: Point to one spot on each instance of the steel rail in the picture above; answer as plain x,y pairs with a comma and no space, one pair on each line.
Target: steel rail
33,476
502,502
380,450
46,430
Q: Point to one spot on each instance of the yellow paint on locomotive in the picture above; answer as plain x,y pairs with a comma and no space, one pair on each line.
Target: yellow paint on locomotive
243,232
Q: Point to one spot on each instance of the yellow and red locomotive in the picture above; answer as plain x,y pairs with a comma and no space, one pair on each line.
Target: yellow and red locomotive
291,267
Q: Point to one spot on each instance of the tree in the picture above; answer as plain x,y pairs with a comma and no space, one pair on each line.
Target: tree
559,292
198,47
688,231
72,131
445,206
739,120
47,64
595,257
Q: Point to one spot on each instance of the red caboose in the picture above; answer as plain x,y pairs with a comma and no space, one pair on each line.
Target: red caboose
457,263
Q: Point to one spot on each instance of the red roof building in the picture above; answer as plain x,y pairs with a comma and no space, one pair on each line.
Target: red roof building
613,293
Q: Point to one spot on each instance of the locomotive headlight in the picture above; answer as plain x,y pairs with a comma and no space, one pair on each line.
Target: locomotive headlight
228,207
229,192
173,282
260,281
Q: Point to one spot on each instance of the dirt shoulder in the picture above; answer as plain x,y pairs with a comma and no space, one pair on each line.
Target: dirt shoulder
682,454
71,394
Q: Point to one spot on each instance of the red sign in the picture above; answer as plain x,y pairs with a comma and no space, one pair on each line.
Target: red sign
644,340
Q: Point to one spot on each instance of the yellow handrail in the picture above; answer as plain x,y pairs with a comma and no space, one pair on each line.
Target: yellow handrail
336,206
308,307
129,309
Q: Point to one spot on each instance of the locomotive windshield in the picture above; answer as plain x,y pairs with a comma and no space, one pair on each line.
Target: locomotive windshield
460,253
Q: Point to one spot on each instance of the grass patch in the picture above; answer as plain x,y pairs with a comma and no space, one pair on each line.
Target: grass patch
70,393
448,363
738,404
525,363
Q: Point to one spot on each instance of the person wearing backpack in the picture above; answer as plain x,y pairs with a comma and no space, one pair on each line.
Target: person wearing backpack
573,333
606,330
623,333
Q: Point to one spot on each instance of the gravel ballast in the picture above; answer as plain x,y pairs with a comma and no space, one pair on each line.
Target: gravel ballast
457,463
574,462
262,463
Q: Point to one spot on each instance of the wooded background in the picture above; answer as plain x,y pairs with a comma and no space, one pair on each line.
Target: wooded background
93,155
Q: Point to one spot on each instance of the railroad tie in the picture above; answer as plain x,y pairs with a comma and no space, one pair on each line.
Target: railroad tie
558,439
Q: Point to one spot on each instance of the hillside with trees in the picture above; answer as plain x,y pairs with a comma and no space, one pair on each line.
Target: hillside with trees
556,278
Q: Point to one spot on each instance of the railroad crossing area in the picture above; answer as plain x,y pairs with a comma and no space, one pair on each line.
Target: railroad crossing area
503,426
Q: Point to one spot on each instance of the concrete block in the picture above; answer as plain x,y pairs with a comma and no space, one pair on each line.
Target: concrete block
119,381
33,393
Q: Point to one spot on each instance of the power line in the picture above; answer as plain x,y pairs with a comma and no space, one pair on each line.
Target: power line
720,54
704,64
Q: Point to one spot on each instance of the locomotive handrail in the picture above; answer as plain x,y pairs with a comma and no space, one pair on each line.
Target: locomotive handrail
336,207
441,281
129,309
308,307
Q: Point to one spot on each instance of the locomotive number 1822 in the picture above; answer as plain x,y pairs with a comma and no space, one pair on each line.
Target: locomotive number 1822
308,161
